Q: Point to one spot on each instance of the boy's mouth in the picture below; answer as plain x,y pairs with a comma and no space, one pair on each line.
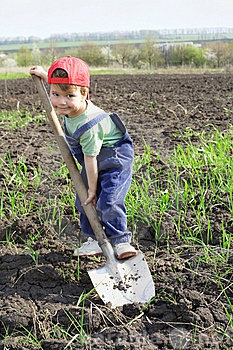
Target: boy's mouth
62,109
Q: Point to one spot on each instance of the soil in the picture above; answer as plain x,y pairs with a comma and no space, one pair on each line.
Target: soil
190,310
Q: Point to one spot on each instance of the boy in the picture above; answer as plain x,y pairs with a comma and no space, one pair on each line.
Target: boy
101,144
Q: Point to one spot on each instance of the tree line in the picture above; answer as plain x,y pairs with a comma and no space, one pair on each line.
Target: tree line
148,55
161,34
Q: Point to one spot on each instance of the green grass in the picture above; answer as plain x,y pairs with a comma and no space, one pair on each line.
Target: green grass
203,176
198,180
13,75
23,72
18,119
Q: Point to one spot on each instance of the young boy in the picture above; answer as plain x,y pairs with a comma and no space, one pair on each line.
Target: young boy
102,146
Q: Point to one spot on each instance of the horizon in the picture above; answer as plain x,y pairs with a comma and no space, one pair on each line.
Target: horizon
186,30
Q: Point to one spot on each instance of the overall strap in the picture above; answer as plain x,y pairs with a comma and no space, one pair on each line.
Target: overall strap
117,120
89,124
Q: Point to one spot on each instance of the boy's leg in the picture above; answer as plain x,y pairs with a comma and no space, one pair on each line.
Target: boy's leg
112,209
111,204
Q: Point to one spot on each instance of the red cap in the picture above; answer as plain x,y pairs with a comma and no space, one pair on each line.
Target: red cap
77,70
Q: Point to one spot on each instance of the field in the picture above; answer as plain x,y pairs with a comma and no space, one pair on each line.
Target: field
180,213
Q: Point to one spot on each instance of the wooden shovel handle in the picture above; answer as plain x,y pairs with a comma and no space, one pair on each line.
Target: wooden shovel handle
78,183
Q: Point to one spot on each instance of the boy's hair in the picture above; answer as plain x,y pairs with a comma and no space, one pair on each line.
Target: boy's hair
61,73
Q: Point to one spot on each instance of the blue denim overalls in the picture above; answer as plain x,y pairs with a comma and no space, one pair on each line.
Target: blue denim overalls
114,179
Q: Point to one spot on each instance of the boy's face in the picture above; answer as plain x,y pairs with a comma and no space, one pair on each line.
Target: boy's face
70,102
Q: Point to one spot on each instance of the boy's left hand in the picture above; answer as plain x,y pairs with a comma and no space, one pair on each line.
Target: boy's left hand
39,71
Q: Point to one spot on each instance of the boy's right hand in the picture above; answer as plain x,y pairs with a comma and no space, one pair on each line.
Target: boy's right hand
91,198
39,71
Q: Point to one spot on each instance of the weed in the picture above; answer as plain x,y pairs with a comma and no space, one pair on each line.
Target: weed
18,119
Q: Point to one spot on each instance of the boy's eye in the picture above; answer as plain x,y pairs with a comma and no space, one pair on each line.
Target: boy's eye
70,95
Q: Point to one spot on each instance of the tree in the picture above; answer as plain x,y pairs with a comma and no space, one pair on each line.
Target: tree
122,53
36,55
151,53
231,53
51,54
92,54
135,58
222,53
184,54
24,57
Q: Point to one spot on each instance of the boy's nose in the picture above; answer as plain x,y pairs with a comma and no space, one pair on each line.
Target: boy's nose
62,101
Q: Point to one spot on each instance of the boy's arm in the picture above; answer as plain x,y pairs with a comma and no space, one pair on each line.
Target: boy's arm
92,178
40,72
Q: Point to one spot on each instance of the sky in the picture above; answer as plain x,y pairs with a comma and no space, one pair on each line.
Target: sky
43,18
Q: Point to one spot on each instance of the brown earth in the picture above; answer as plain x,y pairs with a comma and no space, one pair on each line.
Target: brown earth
189,310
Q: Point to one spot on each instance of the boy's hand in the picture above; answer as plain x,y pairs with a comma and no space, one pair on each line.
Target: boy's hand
39,71
91,198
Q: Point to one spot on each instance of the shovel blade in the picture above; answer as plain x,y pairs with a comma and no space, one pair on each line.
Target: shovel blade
124,282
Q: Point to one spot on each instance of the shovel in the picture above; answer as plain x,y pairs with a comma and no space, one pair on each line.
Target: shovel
117,282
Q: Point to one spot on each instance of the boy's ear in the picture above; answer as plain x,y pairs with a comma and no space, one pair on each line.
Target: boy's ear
84,93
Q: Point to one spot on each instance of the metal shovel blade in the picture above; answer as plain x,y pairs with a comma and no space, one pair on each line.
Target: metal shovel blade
123,282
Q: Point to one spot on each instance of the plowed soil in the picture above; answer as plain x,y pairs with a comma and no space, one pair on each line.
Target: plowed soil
190,310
